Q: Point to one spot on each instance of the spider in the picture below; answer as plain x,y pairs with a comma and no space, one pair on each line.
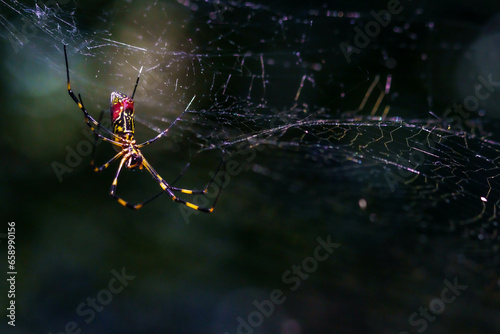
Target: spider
122,137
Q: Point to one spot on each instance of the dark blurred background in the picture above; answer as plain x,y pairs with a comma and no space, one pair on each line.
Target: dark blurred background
201,273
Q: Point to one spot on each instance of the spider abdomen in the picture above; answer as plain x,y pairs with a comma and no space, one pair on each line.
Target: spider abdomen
122,115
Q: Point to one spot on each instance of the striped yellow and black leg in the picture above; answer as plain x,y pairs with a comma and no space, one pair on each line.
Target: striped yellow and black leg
114,185
91,122
106,165
191,205
98,123
112,191
94,149
199,192
169,190
188,191
193,191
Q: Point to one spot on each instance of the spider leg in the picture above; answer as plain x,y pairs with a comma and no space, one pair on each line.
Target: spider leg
163,184
94,149
96,138
189,191
114,185
165,132
106,165
181,173
91,122
194,191
96,131
169,190
112,191
136,83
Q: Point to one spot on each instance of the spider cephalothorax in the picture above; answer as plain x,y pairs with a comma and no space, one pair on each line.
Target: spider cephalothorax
134,159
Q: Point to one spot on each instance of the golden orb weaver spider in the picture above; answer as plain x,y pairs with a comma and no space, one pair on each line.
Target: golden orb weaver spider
122,137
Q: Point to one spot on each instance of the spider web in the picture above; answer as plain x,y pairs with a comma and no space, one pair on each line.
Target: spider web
391,119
